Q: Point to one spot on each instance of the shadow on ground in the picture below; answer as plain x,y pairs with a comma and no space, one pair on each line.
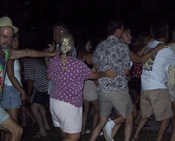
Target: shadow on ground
54,134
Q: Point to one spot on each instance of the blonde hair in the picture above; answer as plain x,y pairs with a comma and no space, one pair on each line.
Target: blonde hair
67,46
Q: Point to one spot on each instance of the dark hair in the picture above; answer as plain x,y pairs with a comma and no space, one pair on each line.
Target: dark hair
160,29
139,43
113,25
59,24
82,45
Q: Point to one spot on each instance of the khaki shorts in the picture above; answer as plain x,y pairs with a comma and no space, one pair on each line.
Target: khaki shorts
156,102
89,92
120,100
171,90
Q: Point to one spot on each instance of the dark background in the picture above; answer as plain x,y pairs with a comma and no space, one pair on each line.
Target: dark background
83,17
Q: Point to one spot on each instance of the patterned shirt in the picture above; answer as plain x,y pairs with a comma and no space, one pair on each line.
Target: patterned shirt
35,69
136,70
68,85
112,54
2,71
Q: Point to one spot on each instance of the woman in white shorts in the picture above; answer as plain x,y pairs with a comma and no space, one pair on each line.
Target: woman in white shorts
68,75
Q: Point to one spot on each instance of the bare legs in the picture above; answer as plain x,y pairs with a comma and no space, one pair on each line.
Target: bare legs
40,114
85,113
162,128
26,111
15,130
103,120
14,113
98,128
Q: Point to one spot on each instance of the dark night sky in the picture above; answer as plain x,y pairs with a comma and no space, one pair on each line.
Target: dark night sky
36,17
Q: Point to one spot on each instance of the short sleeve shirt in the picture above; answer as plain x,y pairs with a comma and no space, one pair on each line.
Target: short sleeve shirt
155,70
35,69
3,62
112,54
68,85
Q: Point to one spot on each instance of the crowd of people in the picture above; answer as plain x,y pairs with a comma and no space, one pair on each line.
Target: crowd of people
116,81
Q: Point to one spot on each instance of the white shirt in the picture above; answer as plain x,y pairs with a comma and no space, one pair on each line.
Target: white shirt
155,70
17,74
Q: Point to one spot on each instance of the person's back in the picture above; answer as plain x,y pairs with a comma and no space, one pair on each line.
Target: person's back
69,83
155,69
35,69
112,54
155,97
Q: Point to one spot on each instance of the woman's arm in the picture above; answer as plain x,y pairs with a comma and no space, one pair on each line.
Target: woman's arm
141,59
14,81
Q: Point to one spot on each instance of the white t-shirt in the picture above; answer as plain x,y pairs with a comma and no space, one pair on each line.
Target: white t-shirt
155,70
17,74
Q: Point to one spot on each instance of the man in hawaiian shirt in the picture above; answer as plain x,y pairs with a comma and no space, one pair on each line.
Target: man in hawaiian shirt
113,54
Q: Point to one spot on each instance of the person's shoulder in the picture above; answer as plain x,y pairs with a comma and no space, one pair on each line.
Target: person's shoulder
76,61
167,52
153,43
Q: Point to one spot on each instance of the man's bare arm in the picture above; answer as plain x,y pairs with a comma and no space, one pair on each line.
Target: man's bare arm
109,73
15,54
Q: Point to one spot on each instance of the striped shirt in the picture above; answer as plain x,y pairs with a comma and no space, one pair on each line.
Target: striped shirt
35,69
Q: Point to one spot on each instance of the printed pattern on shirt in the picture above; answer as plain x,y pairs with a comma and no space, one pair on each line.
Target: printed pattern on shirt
3,62
136,70
150,62
68,85
112,54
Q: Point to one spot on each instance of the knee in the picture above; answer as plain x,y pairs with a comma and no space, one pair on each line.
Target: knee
18,131
33,108
129,118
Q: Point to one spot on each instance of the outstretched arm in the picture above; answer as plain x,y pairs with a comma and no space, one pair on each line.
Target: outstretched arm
141,59
15,54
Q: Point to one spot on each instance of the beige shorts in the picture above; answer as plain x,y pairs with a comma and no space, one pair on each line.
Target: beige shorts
171,90
89,92
66,116
120,100
156,102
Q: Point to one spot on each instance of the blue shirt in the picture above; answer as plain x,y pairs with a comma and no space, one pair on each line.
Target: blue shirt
112,54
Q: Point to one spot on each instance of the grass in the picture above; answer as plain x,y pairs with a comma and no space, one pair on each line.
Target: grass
54,134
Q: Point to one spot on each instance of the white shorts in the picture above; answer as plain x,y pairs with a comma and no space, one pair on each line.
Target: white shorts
89,92
66,116
171,90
